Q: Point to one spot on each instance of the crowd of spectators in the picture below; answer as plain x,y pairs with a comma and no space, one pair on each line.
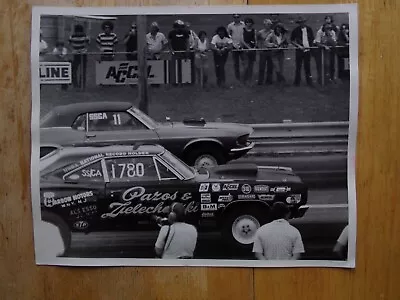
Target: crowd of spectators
328,47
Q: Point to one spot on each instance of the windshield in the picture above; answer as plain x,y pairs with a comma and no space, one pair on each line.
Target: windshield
179,165
144,117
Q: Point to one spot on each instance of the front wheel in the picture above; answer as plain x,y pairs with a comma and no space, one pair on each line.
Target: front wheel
205,158
241,225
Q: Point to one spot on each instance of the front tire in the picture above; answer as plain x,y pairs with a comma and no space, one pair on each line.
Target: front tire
240,226
205,158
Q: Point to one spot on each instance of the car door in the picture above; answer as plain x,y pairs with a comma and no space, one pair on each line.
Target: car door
117,127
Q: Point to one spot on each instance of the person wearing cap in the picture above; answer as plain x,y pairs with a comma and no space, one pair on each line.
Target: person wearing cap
156,42
302,38
131,43
278,240
263,40
107,40
235,31
177,240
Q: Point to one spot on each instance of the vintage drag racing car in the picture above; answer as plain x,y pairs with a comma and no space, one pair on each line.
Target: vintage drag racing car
124,187
196,142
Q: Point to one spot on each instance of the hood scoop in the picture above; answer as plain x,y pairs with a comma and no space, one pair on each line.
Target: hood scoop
194,122
236,170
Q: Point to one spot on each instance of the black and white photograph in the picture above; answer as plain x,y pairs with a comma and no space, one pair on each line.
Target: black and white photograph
194,136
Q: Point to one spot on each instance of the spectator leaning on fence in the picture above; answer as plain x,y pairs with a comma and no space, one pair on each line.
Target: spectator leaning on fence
156,42
60,53
221,44
325,38
302,38
193,38
235,31
342,51
79,42
249,43
278,240
179,45
201,57
106,41
278,40
263,37
131,43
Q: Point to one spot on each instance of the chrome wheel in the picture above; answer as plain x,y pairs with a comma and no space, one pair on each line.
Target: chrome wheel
205,161
244,228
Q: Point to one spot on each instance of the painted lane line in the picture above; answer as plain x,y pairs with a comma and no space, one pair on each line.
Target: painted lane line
328,205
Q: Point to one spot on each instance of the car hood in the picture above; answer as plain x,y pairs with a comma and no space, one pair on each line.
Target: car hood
237,129
246,172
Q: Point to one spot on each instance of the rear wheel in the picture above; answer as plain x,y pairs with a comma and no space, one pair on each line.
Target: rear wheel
241,224
64,230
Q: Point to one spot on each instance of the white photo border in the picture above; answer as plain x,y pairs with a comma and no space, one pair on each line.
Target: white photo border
351,9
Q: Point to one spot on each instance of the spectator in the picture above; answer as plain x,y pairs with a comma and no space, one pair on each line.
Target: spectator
249,42
342,51
325,39
193,38
60,54
329,20
221,44
106,41
235,31
179,45
79,42
341,246
201,47
279,40
263,37
302,38
177,240
43,47
156,42
131,43
278,240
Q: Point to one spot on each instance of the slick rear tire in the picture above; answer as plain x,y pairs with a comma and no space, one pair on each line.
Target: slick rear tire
62,226
240,225
204,157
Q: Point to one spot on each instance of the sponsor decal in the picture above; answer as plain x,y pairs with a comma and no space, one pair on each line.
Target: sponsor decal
216,187
207,215
225,198
91,173
81,225
98,116
230,186
55,72
293,199
139,193
205,198
281,189
68,200
80,212
49,195
209,207
246,197
246,189
261,188
221,205
204,187
265,197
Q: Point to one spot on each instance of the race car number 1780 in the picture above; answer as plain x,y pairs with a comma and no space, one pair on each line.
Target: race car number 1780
127,170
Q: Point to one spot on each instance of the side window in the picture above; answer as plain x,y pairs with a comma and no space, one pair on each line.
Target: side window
108,121
131,169
80,123
165,172
92,172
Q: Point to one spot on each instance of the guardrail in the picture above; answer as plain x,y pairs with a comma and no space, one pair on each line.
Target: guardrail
299,138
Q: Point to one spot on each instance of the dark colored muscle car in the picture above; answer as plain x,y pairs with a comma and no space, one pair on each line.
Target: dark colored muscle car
196,142
124,187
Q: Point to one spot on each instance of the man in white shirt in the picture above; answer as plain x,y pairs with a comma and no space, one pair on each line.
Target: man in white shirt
235,31
178,240
156,42
278,240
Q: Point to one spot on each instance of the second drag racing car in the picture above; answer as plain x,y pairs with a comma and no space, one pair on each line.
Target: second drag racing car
123,187
196,142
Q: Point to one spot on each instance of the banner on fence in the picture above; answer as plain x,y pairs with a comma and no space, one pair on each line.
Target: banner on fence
55,72
126,72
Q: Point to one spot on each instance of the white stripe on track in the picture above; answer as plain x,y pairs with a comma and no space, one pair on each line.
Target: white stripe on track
328,205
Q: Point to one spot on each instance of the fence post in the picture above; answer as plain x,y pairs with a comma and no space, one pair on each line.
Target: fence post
142,69
322,67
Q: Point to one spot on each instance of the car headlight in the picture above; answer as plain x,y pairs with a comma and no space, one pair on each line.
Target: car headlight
242,140
293,199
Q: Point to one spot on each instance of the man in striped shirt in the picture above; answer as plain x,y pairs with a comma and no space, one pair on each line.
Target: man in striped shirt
107,40
79,42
